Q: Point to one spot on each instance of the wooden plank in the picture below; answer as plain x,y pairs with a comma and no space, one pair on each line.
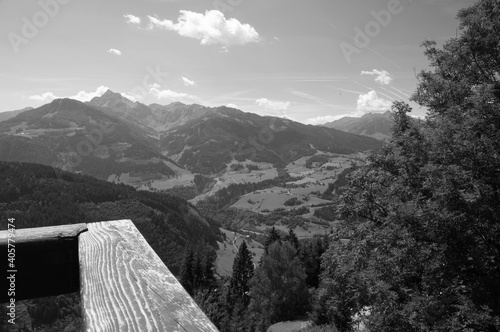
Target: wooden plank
126,287
44,234
45,261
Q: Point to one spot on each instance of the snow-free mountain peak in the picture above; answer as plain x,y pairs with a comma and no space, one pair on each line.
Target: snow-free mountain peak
376,125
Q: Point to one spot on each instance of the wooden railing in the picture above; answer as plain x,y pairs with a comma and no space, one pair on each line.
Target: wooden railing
123,284
43,261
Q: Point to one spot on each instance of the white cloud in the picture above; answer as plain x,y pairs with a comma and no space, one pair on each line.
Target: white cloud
383,76
153,90
187,81
115,51
210,28
371,102
129,96
81,96
131,19
329,118
156,91
273,105
232,106
86,96
45,97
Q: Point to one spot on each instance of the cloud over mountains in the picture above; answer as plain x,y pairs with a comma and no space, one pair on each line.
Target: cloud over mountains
209,28
81,96
273,105
371,102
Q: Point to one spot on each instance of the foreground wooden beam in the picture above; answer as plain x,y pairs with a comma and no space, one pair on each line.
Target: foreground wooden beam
40,261
126,287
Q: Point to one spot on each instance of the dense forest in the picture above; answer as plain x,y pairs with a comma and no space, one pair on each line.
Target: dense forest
38,196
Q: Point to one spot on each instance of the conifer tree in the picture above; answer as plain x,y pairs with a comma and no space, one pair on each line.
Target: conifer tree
293,240
209,267
272,237
243,271
278,289
187,271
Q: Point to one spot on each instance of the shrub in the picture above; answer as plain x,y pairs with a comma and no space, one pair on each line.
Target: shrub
293,201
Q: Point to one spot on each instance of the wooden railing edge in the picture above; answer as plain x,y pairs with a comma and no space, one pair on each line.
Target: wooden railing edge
123,283
126,286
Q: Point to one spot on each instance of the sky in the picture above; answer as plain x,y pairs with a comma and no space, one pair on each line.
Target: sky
311,61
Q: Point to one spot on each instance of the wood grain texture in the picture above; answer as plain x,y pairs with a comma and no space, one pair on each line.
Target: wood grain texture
41,234
126,287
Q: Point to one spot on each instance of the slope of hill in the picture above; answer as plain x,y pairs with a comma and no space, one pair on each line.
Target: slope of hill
373,125
77,137
135,113
207,144
37,196
177,114
10,114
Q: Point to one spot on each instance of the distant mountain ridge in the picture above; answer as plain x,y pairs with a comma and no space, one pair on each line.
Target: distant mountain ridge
155,117
10,114
111,135
375,125
206,144
75,136
204,139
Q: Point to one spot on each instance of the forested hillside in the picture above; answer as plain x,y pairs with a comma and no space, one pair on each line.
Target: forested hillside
39,196
77,137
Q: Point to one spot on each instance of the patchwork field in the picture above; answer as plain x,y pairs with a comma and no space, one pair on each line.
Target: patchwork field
263,171
295,326
314,180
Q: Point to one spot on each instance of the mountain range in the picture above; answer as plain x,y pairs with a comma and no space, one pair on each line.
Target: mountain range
77,137
112,135
375,125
